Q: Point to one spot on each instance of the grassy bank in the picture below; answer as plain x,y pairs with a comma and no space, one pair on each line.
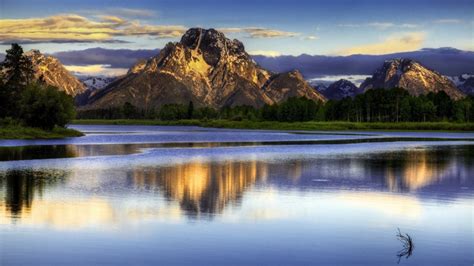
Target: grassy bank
409,126
19,132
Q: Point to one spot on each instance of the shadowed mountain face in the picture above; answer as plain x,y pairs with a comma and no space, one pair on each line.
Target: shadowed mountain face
50,70
340,89
204,67
412,76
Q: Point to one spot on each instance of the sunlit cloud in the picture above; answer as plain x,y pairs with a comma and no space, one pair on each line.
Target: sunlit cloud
96,70
265,53
256,32
401,42
67,28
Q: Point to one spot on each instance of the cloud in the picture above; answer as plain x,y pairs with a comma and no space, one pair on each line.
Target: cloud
381,25
265,53
401,42
311,38
257,32
116,58
448,21
96,70
68,28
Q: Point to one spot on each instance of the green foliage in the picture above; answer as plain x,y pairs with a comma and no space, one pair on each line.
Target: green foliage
376,105
45,107
21,132
396,105
17,72
26,106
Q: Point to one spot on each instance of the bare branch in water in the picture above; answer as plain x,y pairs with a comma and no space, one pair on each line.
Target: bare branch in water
407,243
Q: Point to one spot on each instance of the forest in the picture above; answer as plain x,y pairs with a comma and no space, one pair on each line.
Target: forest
376,105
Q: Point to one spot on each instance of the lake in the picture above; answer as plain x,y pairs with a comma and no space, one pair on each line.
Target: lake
135,195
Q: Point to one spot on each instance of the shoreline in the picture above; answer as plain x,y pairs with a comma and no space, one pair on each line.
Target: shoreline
19,132
274,125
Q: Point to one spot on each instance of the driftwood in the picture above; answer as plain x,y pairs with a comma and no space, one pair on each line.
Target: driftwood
407,243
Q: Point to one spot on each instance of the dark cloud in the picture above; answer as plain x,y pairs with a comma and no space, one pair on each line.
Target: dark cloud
447,61
120,58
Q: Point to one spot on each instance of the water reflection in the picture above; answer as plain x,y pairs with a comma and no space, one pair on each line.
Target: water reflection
21,187
202,189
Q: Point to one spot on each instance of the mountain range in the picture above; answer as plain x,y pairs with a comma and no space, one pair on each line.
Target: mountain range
206,68
211,70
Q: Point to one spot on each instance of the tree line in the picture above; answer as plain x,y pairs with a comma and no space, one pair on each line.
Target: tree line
30,102
376,105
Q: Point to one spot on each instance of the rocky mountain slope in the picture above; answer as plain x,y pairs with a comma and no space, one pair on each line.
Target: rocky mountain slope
204,67
50,70
339,90
412,76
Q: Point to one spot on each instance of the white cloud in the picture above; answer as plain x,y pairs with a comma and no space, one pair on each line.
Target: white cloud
312,38
380,25
448,21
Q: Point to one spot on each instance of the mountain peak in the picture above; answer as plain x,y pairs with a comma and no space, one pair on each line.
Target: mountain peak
212,44
412,76
340,89
50,70
207,68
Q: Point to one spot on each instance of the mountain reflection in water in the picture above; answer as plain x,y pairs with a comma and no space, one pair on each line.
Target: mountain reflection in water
202,189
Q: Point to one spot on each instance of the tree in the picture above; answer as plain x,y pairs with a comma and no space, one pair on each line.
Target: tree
45,107
17,73
129,111
190,110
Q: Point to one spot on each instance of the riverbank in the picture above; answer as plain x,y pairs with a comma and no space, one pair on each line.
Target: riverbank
273,125
19,132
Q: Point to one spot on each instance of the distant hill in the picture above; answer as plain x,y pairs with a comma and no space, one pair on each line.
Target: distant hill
339,90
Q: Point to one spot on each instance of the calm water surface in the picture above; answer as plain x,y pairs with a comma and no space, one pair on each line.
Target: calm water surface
185,195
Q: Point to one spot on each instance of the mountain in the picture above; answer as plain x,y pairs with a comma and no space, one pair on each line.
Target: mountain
204,67
50,70
340,89
412,76
464,82
96,83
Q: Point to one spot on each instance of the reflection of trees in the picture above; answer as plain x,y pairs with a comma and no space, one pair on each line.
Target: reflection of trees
203,188
36,152
20,187
411,169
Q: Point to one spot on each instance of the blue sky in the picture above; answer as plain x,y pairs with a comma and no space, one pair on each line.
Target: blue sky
265,27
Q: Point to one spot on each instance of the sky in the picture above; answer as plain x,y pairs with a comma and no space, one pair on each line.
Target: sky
272,27
265,27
